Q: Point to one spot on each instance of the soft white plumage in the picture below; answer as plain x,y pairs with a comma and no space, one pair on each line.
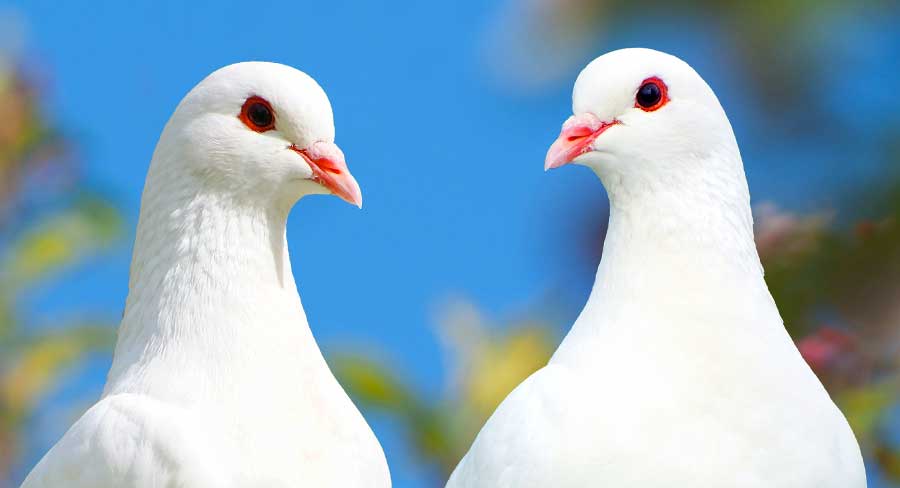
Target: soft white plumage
216,380
679,371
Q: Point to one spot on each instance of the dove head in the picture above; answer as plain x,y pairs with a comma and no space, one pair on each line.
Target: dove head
256,131
644,118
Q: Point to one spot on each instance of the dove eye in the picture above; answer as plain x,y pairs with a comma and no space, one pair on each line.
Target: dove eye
257,114
652,95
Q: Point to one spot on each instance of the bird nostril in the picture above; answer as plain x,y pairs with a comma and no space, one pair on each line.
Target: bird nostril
577,133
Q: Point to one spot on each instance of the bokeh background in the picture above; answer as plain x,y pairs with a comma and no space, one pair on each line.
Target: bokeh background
468,263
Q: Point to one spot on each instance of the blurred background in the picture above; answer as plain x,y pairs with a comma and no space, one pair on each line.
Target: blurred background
468,263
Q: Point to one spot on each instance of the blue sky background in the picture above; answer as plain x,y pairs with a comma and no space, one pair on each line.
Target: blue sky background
449,155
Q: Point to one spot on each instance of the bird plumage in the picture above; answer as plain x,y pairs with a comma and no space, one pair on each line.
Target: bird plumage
679,371
216,379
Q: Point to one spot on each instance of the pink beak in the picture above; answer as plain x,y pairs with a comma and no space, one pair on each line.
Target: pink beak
578,133
330,170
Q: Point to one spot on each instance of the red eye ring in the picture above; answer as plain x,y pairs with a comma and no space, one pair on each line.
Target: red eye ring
257,114
651,95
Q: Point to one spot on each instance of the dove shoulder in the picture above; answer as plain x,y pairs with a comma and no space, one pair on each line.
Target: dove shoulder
128,440
520,445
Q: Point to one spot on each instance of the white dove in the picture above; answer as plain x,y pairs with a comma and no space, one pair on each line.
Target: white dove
216,379
679,371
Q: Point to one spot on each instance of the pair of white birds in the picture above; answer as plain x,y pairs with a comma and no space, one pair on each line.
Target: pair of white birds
677,373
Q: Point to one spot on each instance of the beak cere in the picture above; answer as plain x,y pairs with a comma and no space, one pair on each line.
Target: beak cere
578,133
330,170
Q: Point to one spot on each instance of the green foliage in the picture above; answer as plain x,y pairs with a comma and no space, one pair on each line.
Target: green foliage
487,362
58,240
33,250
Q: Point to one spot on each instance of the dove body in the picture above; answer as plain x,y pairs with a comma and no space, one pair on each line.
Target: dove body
216,379
678,371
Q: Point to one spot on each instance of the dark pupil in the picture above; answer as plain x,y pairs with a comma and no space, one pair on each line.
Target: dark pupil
260,115
648,95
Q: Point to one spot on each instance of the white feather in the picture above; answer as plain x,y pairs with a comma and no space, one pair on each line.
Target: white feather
216,379
679,371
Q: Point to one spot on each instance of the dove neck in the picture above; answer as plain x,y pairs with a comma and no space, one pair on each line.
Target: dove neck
674,258
210,276
690,210
657,239
210,242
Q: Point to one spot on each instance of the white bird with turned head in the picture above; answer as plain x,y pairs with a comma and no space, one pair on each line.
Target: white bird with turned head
216,379
679,371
